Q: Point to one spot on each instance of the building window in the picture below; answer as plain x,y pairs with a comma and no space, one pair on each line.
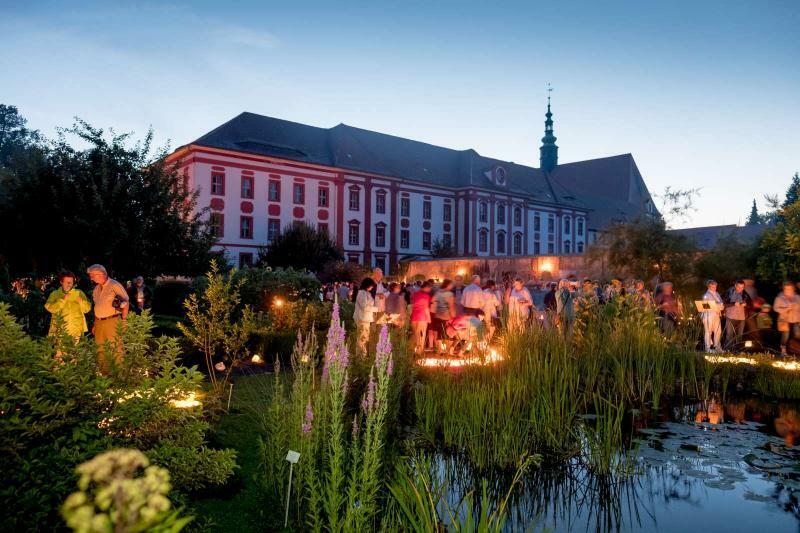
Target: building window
447,212
218,184
579,228
405,207
501,242
426,209
247,186
273,229
537,248
380,262
352,237
322,227
245,260
483,212
426,240
246,228
447,241
517,244
216,224
299,193
322,197
403,238
354,200
352,258
483,241
380,203
567,225
517,216
380,235
551,248
274,192
579,247
567,247
501,213
551,223
537,222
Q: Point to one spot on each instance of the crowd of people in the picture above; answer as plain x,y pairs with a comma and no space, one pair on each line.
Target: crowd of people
447,312
110,304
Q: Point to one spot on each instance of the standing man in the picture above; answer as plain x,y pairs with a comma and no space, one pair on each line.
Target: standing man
712,324
110,310
379,292
787,305
736,302
472,297
140,295
458,291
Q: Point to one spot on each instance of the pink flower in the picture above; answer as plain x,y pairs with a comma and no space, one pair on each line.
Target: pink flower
368,402
309,418
355,424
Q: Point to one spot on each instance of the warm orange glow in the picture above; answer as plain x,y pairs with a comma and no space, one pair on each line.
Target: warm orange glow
278,302
447,362
787,365
461,271
190,400
256,359
731,359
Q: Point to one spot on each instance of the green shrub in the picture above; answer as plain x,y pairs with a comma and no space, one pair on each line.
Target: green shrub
58,415
168,297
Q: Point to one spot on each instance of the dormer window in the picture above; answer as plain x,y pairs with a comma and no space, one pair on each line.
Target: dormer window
500,176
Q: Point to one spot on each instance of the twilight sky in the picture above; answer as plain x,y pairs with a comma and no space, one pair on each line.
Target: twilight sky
703,94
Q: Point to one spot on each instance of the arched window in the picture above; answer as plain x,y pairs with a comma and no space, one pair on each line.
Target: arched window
567,247
501,213
567,224
501,242
517,244
483,212
579,228
517,216
579,247
483,241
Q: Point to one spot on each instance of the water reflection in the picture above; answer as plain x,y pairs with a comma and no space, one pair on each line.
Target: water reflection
720,466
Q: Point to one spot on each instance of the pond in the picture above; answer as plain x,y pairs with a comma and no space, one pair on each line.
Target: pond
704,466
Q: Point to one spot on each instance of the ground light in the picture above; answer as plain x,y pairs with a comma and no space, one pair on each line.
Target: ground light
449,362
737,360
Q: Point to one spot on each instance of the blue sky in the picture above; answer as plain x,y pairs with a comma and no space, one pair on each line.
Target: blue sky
702,93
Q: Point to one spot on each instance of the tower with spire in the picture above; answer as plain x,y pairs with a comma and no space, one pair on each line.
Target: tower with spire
548,152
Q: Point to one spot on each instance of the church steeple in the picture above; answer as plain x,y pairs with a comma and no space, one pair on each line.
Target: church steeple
548,152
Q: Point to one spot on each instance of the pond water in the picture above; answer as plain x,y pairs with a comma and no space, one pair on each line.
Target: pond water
699,467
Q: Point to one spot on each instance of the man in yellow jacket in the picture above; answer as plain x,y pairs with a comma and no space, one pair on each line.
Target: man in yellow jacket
71,303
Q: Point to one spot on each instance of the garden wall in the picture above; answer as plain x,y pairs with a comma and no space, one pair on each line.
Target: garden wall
528,267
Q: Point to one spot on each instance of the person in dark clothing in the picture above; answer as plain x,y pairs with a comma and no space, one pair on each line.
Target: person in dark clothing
737,301
668,308
550,298
140,295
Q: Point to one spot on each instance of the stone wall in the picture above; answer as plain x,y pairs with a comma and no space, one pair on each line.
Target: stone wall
528,267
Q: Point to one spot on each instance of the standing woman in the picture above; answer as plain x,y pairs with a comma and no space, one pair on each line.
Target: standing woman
565,308
71,304
420,316
444,310
520,303
364,314
712,324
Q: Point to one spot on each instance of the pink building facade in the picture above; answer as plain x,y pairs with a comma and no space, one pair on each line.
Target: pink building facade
257,175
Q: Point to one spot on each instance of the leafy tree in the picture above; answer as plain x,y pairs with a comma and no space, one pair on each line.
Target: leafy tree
754,219
645,248
301,246
342,271
112,203
440,249
15,138
728,261
793,192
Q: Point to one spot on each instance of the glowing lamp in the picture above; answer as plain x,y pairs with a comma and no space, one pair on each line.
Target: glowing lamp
748,344
278,302
256,359
190,400
461,271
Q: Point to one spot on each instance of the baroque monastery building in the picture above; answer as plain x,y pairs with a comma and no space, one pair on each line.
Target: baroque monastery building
387,198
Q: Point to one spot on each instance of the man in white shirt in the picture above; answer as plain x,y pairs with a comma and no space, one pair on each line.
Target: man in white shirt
381,292
472,297
110,308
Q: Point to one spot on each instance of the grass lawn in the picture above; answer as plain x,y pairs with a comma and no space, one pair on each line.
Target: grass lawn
241,505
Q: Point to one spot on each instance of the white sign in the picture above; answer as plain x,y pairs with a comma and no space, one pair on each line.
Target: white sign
293,456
